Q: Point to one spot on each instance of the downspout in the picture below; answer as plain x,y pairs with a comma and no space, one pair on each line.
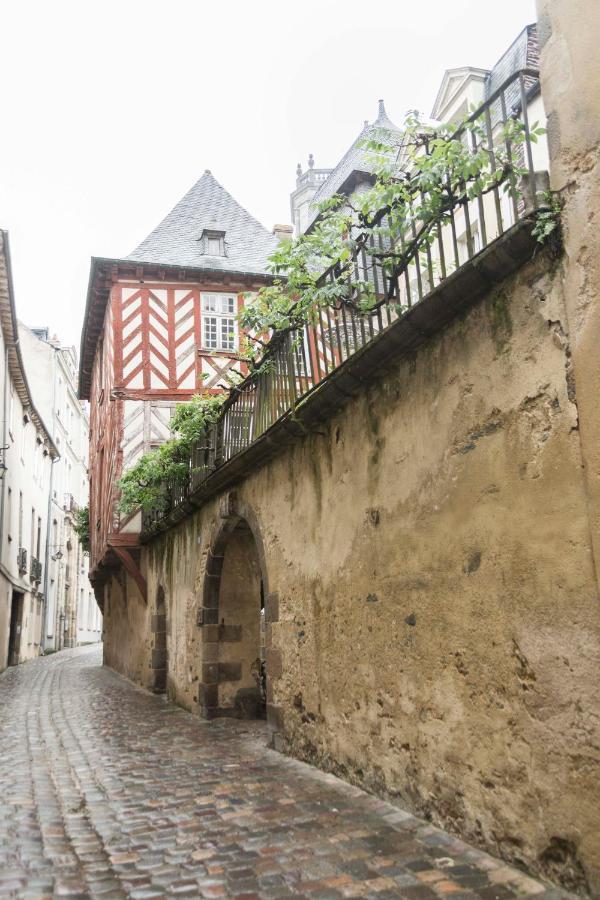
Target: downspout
4,436
49,516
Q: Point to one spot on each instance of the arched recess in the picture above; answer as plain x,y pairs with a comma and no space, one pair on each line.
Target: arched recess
158,662
236,617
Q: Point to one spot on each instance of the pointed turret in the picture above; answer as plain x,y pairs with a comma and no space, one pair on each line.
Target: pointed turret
354,167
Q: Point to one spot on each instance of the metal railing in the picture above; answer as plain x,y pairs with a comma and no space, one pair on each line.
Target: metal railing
299,361
35,570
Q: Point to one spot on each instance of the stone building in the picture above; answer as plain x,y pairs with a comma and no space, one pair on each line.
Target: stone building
461,90
417,521
72,615
28,456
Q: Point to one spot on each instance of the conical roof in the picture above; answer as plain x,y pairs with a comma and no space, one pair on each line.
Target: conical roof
207,206
356,159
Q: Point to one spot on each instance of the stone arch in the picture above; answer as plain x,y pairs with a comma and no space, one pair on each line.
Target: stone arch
237,615
159,663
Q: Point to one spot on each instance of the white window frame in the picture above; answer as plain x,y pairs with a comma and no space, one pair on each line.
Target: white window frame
217,309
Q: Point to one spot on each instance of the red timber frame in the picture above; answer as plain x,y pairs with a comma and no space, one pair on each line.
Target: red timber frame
149,349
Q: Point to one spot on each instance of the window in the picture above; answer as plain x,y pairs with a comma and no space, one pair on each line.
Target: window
9,516
213,243
11,410
24,435
219,324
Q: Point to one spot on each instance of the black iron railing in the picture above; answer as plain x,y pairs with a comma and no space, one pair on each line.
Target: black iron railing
299,361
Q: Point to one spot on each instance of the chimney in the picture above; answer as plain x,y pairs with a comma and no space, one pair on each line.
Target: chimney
283,232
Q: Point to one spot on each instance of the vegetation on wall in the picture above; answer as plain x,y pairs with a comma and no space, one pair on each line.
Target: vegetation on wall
416,188
142,485
418,183
81,527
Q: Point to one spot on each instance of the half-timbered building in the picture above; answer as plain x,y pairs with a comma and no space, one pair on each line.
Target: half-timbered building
160,326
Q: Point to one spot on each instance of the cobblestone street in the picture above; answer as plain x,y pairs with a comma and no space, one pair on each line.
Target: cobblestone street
111,792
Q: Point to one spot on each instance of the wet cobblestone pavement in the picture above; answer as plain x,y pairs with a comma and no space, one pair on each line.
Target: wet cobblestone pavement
109,792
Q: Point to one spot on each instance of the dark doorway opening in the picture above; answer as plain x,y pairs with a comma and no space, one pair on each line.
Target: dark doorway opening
159,650
234,669
16,627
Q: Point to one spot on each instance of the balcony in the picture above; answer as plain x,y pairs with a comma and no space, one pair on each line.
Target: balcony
35,571
69,504
22,560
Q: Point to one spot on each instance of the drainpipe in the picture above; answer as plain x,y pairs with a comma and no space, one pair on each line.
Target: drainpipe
49,515
4,436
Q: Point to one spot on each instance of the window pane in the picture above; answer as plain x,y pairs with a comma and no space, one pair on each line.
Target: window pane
227,334
209,328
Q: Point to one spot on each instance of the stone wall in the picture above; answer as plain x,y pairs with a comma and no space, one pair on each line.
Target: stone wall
432,601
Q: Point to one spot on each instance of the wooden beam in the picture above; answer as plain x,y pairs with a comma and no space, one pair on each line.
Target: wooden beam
132,567
124,539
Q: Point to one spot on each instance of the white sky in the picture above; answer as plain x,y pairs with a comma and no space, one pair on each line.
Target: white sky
111,111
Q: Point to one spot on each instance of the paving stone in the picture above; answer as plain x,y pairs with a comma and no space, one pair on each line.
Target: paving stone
107,792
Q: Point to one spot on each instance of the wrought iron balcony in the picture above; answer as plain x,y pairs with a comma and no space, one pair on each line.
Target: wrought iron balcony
35,570
300,362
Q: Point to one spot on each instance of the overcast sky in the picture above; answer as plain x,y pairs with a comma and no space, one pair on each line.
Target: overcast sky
112,110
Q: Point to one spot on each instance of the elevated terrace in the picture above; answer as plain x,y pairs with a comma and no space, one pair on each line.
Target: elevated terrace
480,242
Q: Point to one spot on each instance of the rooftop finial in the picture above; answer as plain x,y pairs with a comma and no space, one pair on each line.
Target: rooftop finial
311,160
381,111
207,172
298,170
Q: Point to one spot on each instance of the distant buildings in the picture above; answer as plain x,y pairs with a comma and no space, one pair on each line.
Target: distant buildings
72,615
45,598
461,91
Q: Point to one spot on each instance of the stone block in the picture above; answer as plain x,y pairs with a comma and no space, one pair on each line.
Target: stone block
159,623
274,717
210,652
210,616
272,607
208,695
210,673
210,633
230,633
159,659
229,671
274,663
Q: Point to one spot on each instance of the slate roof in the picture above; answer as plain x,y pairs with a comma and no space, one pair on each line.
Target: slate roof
207,205
10,332
356,158
523,53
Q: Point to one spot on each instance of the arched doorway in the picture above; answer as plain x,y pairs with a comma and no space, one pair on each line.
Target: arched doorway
234,678
159,643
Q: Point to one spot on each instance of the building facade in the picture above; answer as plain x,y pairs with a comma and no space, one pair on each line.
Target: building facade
28,456
72,616
160,326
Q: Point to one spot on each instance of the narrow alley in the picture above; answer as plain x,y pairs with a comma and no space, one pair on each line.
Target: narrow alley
109,791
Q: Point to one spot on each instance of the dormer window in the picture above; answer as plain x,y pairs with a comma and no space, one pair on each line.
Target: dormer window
213,243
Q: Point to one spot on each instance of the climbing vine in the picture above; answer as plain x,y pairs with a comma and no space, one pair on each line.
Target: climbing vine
142,486
417,186
81,527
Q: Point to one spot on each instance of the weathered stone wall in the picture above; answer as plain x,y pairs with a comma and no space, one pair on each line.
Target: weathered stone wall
431,589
